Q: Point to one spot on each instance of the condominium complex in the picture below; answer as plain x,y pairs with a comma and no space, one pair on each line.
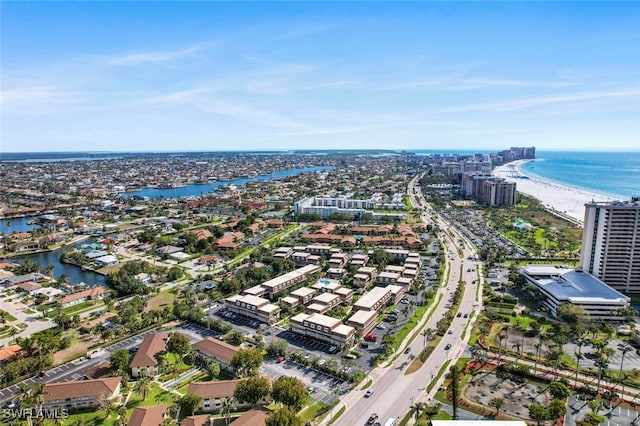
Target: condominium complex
611,243
326,206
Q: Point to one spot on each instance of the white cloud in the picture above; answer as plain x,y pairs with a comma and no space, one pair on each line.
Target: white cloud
156,57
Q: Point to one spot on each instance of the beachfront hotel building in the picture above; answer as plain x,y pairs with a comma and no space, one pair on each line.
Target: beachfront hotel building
611,243
559,285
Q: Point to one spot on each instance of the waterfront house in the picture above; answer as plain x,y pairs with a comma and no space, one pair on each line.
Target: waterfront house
152,415
214,350
80,394
145,361
95,293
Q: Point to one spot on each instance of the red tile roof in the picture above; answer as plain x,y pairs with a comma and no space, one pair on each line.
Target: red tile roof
81,388
222,389
152,415
216,349
152,345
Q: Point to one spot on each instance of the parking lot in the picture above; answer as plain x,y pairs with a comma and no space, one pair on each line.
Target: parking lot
615,416
322,387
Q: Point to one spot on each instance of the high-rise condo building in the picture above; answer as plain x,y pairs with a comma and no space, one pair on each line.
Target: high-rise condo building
611,243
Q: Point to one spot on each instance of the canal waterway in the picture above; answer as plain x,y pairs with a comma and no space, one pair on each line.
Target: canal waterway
17,224
75,273
198,190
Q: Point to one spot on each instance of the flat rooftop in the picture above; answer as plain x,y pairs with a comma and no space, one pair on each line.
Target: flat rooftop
572,285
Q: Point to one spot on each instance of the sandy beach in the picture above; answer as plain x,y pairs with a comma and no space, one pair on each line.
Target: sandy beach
564,199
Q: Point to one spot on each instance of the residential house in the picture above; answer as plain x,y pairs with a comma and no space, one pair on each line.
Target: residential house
95,293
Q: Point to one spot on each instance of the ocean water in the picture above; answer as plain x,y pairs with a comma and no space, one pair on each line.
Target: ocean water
616,174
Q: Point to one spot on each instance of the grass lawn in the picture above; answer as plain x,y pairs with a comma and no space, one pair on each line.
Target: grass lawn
311,411
7,316
160,301
74,309
28,311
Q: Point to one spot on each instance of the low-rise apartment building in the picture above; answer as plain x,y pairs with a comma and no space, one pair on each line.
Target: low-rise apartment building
144,362
378,298
253,307
152,415
364,276
214,350
387,277
289,280
322,327
213,393
363,321
80,394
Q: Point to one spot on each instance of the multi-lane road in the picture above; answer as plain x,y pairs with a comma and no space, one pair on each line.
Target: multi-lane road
393,392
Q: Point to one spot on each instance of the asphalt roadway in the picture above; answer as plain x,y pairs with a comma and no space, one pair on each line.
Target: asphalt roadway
393,392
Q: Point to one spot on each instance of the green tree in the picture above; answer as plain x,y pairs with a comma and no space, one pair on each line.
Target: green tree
572,314
178,343
556,409
119,360
213,369
143,387
189,404
453,391
225,409
538,413
497,403
559,390
247,362
289,391
594,419
283,417
252,390
234,338
277,347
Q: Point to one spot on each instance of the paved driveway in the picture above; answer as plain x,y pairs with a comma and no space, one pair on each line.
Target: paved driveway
323,387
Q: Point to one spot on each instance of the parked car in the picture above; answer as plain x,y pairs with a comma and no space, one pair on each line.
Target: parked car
280,359
370,337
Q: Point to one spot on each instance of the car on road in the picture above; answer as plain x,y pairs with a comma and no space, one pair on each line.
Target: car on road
450,331
466,315
372,419
408,350
368,393
459,314
446,348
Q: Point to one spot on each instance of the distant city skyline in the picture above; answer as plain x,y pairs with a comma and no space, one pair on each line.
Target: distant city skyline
243,76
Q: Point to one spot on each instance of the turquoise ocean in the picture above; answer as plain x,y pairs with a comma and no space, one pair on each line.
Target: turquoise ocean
616,174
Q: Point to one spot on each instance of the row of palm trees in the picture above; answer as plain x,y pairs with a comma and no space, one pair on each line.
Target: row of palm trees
555,342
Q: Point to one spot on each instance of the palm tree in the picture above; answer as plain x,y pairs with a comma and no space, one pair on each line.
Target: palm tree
227,404
143,387
625,349
580,341
418,408
427,333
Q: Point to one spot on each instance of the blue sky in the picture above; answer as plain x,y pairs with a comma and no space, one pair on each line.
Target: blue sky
162,76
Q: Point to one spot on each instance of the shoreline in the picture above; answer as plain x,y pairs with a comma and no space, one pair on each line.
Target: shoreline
560,198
